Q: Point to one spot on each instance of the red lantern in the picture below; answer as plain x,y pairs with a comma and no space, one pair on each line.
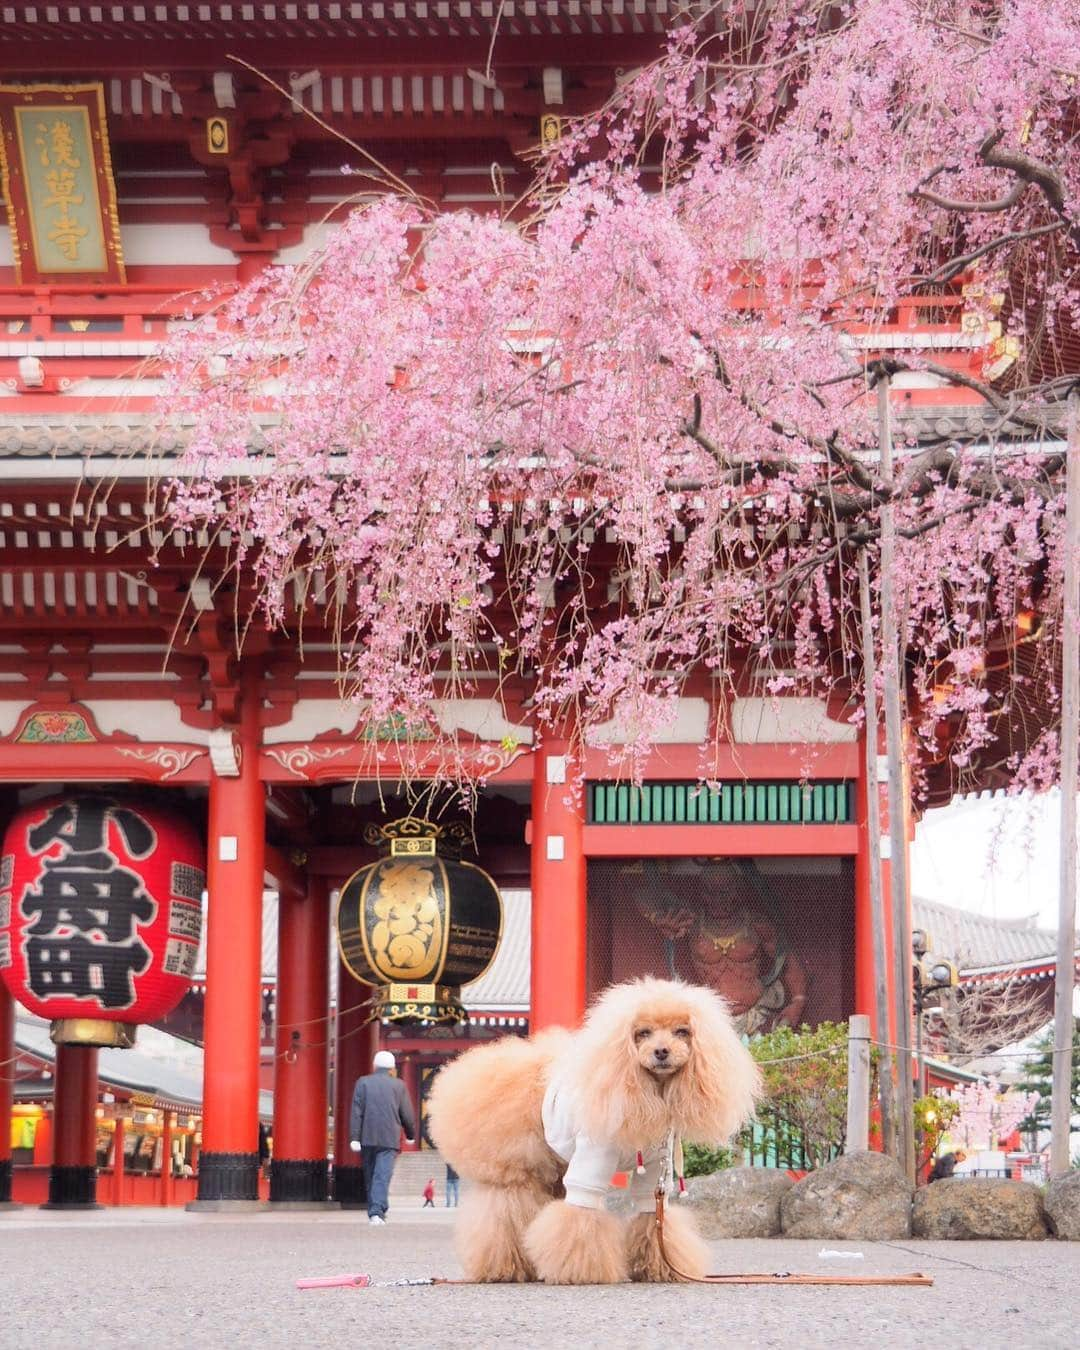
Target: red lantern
100,914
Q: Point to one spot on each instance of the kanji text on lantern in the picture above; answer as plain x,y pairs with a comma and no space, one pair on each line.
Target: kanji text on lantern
87,907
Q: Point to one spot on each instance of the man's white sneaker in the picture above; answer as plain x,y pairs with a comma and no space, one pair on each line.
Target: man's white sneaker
375,1221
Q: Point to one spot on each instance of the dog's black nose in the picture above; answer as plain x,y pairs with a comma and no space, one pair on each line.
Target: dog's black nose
661,1053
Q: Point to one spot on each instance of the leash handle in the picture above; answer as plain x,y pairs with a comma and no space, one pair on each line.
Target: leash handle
335,1282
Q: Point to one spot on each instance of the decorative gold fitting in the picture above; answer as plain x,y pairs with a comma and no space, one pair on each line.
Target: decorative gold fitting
417,993
415,838
217,135
419,1003
550,129
412,848
93,1031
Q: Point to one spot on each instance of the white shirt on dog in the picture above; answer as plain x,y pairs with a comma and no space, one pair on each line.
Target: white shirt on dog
590,1163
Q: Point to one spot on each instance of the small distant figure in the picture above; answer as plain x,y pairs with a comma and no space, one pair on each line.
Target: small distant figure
264,1150
452,1184
429,1194
946,1165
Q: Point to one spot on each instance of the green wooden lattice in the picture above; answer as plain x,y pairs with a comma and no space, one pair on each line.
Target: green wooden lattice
737,803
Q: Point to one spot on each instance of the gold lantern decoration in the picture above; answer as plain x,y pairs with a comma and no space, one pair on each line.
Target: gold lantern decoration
419,923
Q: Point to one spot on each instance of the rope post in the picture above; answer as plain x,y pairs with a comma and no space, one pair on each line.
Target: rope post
857,1139
892,662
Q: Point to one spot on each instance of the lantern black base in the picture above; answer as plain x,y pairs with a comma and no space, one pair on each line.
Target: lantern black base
349,1189
72,1188
228,1176
298,1179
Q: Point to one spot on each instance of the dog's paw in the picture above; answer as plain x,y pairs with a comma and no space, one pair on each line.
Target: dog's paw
571,1245
682,1255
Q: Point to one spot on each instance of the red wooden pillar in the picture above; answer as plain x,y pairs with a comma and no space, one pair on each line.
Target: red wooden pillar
229,1168
298,1169
867,975
166,1157
118,1165
7,1089
558,890
43,1137
409,1073
73,1175
354,1049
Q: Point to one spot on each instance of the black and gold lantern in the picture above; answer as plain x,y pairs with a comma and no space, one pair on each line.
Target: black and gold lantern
418,924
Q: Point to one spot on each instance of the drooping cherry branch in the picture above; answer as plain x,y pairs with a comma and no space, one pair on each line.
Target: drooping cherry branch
620,446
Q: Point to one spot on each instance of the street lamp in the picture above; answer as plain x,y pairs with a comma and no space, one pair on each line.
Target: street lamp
928,976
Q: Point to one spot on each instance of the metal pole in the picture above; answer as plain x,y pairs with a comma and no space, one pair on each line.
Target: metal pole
894,748
857,1139
1064,976
873,829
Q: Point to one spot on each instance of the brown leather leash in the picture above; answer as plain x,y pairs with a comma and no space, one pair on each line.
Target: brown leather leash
777,1277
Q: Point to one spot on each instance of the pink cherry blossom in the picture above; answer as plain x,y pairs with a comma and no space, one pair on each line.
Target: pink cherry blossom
621,444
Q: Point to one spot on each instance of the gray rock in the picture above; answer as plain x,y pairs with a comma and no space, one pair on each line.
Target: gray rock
979,1207
1063,1206
738,1202
861,1195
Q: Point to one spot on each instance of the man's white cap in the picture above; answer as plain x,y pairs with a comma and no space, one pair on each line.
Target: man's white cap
384,1059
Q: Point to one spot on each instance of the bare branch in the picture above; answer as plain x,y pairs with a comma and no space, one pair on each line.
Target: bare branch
967,207
955,266
978,1019
1026,167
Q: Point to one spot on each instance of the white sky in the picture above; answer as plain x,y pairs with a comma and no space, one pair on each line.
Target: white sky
996,856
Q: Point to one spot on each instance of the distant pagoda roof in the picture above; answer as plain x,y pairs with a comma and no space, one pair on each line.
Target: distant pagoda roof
980,944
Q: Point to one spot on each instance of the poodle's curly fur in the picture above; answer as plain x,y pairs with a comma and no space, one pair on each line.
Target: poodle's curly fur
485,1117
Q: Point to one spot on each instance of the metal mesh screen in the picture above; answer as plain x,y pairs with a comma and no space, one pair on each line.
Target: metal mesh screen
775,936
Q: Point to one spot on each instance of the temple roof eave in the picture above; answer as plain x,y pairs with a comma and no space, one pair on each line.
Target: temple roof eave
135,445
134,1071
412,22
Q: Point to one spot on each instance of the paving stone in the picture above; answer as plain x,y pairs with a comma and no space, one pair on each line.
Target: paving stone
124,1278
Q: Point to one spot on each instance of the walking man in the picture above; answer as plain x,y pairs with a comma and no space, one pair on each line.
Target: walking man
380,1111
452,1183
946,1166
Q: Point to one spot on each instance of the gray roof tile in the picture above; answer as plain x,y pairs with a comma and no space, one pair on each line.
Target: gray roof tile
164,1066
975,940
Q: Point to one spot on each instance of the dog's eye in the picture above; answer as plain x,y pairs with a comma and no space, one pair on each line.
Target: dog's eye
641,1034
684,1032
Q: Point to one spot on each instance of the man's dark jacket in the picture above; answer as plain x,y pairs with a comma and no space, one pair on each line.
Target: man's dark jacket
944,1168
380,1111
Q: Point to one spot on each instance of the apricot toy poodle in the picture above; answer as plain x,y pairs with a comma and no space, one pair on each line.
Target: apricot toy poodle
540,1126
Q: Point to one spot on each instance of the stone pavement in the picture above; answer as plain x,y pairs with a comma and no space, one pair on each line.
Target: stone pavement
126,1278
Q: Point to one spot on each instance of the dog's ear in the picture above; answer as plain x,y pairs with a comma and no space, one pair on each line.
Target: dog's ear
715,1094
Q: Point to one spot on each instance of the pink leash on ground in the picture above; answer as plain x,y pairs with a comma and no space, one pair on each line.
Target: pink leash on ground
366,1282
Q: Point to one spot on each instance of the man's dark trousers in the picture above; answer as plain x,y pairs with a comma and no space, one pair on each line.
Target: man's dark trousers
378,1164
